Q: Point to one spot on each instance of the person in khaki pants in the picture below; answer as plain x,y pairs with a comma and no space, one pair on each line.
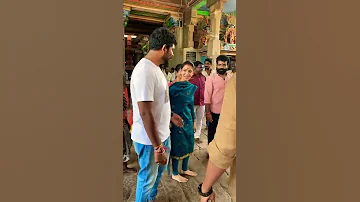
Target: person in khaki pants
222,150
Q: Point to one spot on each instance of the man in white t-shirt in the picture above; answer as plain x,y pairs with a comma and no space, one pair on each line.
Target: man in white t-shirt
208,71
152,114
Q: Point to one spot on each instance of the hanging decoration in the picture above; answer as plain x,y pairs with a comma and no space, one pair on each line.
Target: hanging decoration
144,44
228,31
171,24
126,17
202,33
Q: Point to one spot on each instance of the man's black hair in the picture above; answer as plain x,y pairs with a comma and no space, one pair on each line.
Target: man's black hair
197,63
223,58
160,37
208,60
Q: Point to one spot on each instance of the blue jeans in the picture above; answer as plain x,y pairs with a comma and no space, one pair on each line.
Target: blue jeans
150,173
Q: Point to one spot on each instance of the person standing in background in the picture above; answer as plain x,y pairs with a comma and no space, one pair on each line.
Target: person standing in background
232,68
177,74
173,74
208,71
163,70
198,80
214,94
169,74
127,142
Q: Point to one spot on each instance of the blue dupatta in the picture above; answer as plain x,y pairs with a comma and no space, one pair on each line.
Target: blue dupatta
182,103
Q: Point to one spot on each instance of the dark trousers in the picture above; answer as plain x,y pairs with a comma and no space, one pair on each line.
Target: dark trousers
212,127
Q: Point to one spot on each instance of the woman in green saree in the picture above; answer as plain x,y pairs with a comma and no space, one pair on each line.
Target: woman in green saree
182,138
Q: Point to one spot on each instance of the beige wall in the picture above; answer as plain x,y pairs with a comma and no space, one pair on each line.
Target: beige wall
60,106
298,66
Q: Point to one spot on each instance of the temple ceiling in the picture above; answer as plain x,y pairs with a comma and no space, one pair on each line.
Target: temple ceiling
157,11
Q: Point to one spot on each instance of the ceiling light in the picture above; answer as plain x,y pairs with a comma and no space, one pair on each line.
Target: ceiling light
132,36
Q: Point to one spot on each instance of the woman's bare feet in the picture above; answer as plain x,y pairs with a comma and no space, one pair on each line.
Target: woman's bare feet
179,178
189,173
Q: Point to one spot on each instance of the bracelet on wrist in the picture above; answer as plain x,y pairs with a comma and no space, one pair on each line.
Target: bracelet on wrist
159,149
204,194
155,147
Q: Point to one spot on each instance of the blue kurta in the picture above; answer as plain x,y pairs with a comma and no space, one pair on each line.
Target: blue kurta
182,103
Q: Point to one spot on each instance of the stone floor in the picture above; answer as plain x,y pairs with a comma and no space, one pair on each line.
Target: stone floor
172,191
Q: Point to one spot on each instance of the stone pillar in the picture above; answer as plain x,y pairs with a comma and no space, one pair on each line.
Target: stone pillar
177,56
189,36
214,42
172,22
190,20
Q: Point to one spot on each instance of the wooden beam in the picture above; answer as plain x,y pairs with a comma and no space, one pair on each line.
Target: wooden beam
153,10
127,8
168,3
148,19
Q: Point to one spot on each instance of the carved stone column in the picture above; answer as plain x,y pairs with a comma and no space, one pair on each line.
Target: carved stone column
177,56
214,41
172,22
190,20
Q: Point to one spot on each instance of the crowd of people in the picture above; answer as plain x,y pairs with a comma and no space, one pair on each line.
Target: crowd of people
168,108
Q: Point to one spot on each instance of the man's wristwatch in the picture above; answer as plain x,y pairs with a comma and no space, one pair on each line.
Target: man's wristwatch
205,194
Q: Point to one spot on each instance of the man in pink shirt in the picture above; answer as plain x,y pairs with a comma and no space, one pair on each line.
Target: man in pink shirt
214,94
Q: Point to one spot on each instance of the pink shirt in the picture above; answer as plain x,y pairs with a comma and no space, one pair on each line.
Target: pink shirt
214,92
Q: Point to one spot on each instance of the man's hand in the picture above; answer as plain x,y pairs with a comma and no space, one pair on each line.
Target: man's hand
177,120
194,127
209,198
160,158
209,117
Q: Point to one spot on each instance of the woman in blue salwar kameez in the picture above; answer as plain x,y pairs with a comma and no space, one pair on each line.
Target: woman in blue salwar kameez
182,138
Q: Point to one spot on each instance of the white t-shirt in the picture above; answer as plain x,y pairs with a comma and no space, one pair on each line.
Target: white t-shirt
206,74
149,84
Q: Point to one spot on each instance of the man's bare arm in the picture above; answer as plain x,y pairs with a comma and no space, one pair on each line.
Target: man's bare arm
149,123
207,108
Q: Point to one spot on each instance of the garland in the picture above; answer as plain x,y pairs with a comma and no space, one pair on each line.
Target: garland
126,17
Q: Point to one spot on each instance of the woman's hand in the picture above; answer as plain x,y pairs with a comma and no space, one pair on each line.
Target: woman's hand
209,198
177,120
